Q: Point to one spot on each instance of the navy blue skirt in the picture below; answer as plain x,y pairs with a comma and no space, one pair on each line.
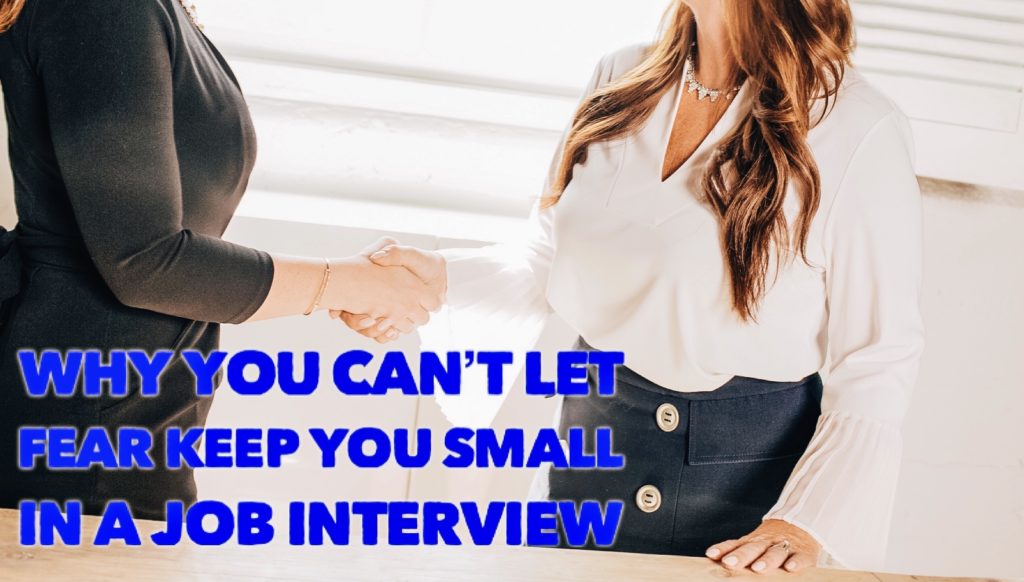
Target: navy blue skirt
701,468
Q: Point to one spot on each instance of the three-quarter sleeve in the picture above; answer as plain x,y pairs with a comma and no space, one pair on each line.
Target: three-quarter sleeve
843,488
497,299
107,74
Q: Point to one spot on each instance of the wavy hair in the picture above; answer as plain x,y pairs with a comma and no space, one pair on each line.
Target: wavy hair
792,53
9,12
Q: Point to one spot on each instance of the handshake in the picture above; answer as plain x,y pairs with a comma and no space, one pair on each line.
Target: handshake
399,288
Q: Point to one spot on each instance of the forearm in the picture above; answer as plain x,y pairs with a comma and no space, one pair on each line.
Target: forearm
352,284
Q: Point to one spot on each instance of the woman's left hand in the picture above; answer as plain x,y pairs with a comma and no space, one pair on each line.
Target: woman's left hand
775,545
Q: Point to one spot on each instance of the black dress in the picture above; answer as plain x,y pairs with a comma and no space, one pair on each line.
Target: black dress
131,145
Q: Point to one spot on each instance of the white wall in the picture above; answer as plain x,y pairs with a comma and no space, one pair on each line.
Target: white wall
960,508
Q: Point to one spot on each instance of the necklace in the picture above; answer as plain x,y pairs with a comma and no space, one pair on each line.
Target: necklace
703,91
190,11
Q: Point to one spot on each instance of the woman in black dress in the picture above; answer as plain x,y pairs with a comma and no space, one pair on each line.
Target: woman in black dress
131,145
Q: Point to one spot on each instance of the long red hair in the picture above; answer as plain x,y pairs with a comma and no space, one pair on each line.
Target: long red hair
9,12
792,53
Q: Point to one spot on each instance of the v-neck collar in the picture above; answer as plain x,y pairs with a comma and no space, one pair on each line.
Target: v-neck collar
737,107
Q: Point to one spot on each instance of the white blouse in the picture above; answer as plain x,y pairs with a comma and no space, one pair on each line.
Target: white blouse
635,265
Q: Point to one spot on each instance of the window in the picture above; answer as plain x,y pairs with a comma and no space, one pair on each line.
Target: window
455,106
957,69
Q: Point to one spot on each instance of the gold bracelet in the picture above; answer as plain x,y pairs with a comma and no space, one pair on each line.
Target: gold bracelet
323,288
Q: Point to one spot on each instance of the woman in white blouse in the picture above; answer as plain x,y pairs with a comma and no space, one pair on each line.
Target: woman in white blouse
735,208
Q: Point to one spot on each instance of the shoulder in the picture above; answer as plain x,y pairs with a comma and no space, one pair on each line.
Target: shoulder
865,148
860,110
617,63
104,26
87,15
862,117
116,10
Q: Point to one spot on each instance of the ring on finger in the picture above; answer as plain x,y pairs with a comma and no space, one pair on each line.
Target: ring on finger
784,545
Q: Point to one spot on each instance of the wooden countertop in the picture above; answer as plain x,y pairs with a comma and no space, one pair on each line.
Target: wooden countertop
281,563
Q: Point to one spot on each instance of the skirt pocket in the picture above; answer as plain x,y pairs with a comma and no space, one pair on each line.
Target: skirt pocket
759,427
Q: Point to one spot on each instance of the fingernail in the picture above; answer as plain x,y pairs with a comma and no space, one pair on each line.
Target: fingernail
731,561
791,566
367,322
384,325
713,553
379,255
392,334
759,566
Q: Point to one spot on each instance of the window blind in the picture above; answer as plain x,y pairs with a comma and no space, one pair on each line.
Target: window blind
426,101
957,68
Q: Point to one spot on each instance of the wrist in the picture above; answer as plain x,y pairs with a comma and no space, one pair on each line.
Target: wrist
346,275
